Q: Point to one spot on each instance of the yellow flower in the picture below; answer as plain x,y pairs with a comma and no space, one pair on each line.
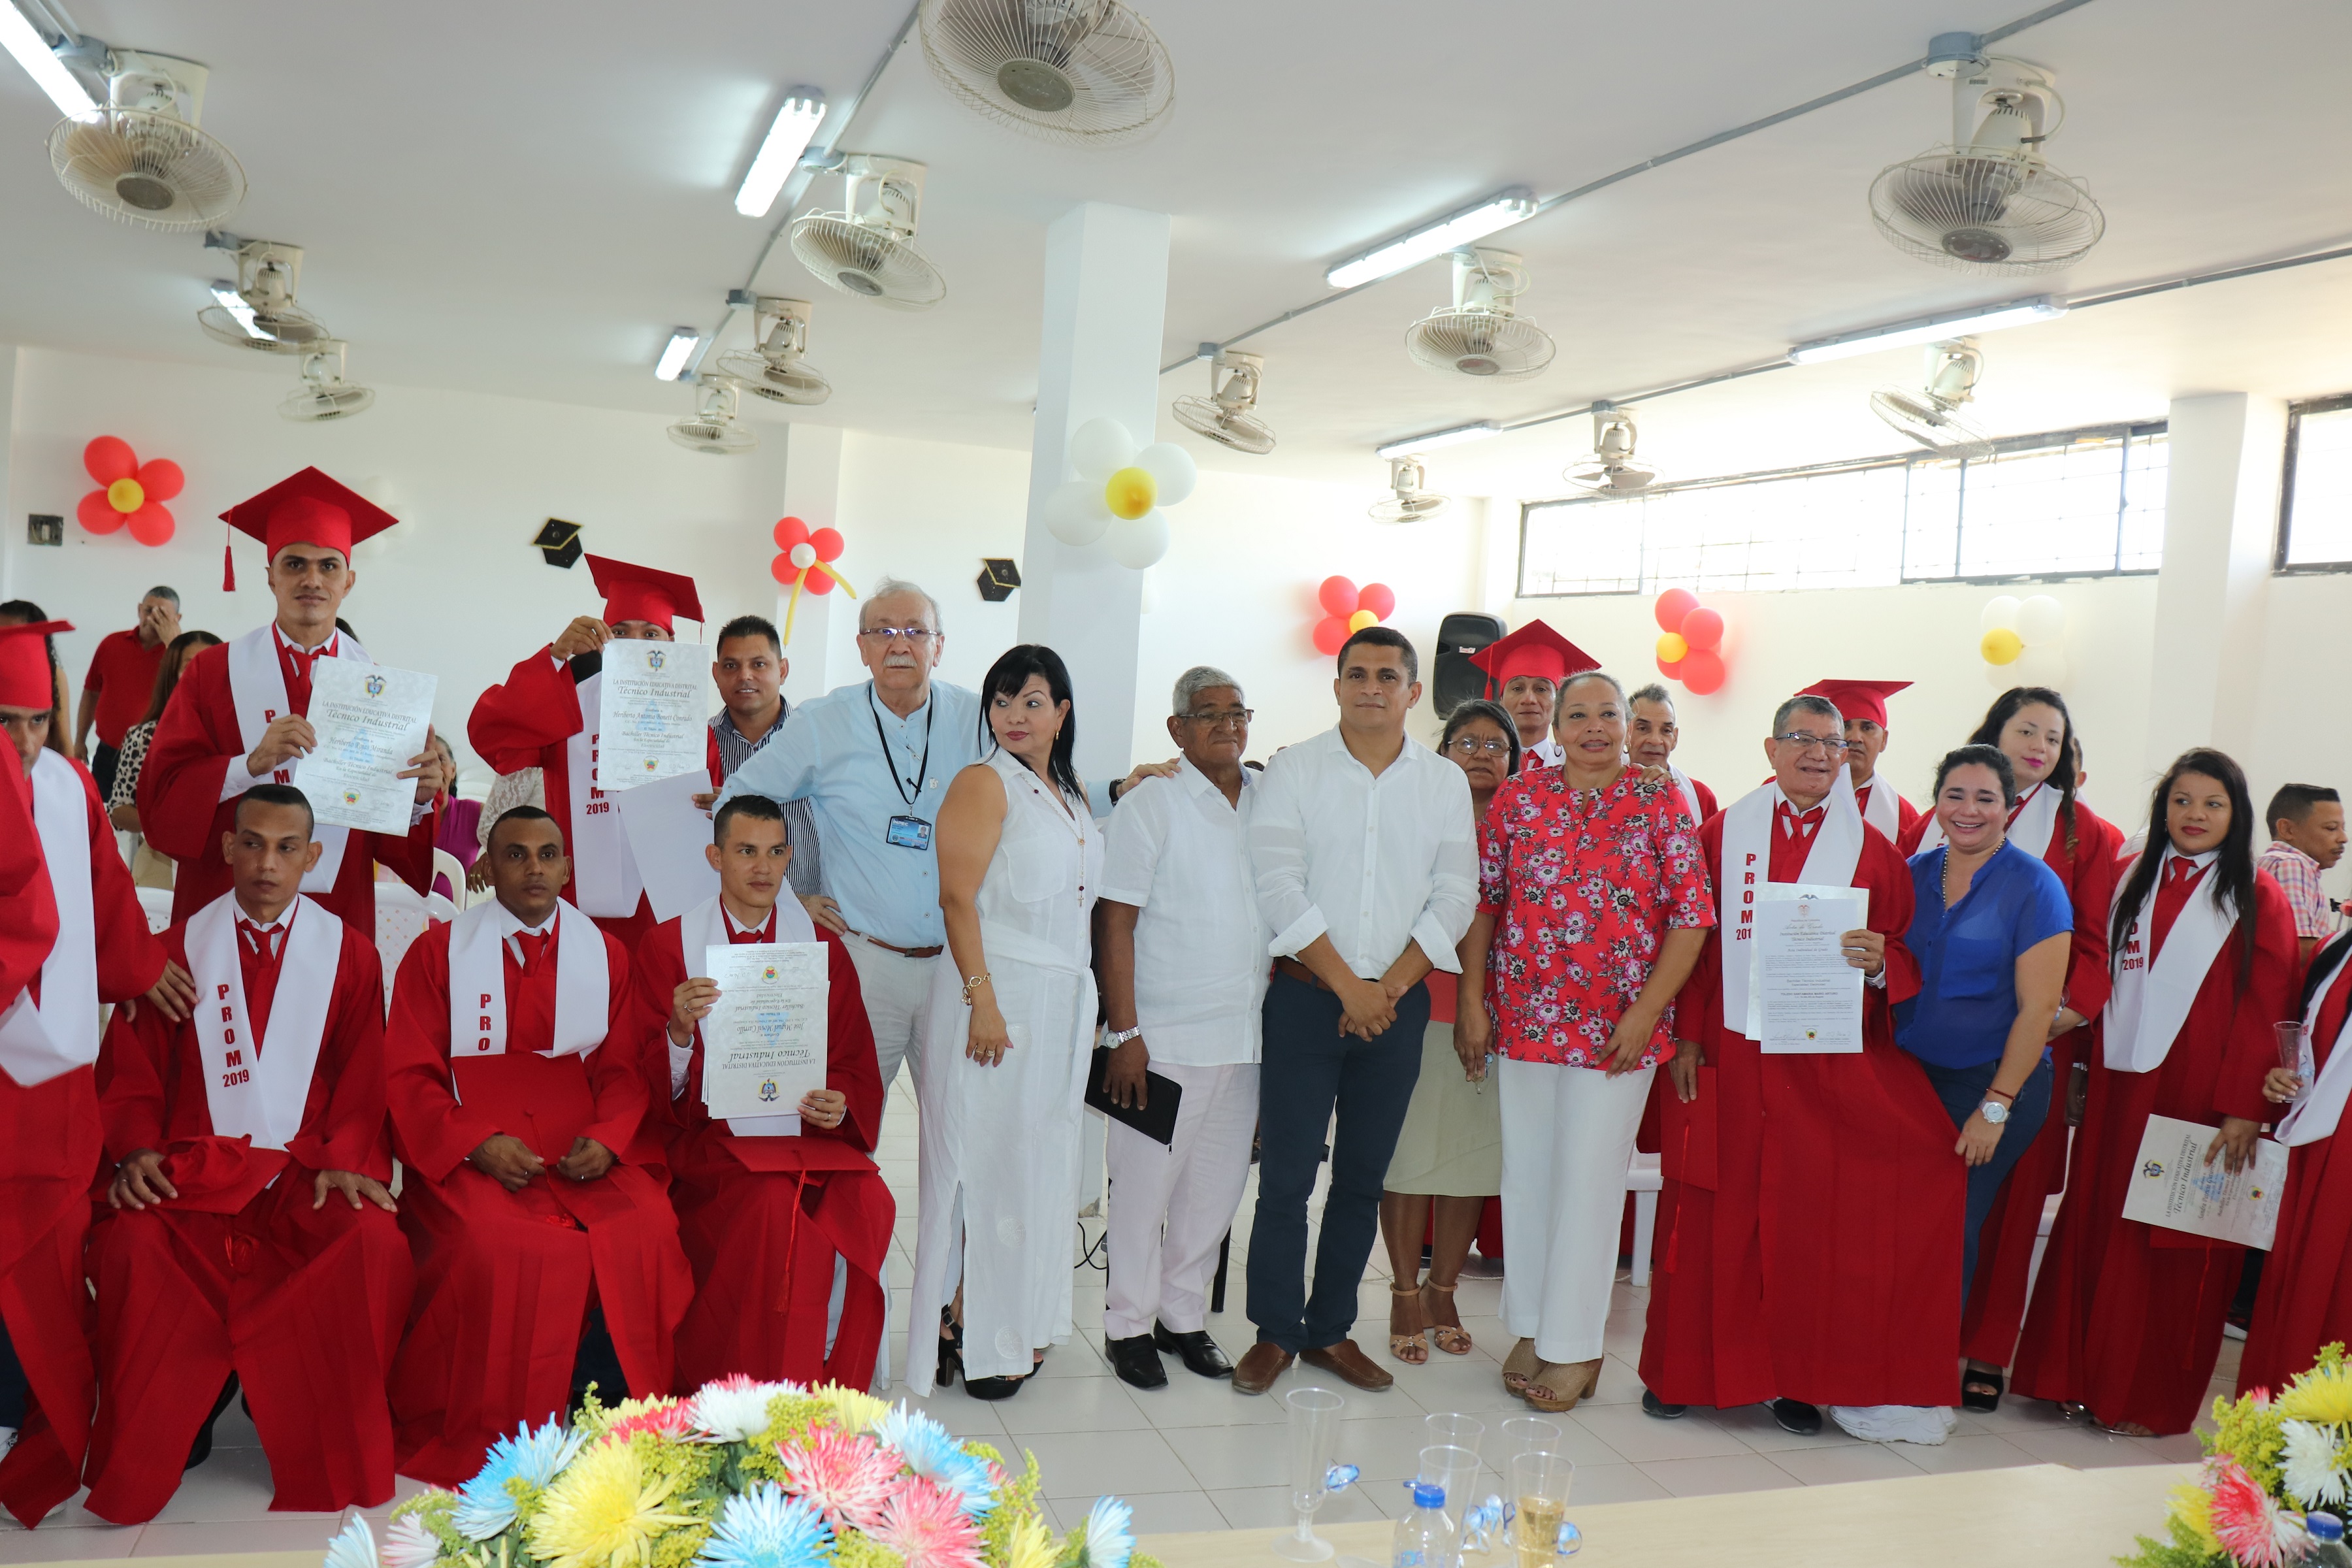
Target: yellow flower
2192,1506
1029,1545
2320,1395
853,1411
603,1511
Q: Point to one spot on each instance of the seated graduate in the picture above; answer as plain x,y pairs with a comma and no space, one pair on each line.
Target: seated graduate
547,1255
786,1219
251,1238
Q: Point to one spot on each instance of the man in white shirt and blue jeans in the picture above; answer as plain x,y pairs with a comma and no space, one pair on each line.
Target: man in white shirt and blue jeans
1184,956
1361,842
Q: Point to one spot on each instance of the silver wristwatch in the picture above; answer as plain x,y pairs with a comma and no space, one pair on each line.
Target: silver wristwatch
1124,1036
1993,1112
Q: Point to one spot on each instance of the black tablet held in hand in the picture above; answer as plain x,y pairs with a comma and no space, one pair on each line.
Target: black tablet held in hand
1157,1120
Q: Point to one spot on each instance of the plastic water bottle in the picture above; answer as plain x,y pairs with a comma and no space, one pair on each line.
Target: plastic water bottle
1424,1538
2326,1533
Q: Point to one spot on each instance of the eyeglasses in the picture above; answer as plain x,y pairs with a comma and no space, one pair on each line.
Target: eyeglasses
917,636
1471,746
1812,743
1231,719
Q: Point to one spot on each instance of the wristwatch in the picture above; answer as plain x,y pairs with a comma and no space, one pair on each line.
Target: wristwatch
1124,1036
1993,1112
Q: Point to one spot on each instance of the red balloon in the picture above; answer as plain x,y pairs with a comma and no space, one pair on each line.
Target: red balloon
1330,635
1673,605
1671,669
1702,630
1703,671
827,543
1339,597
1377,597
782,569
819,581
152,523
788,531
109,458
97,514
161,479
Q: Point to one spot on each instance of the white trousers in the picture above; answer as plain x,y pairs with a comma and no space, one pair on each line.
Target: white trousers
1567,1138
1171,1204
898,991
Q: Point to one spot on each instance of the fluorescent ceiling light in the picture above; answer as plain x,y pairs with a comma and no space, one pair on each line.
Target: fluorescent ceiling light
780,154
41,63
1497,212
1931,329
233,302
1453,437
676,353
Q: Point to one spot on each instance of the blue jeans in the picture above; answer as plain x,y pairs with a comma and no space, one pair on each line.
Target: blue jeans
1311,1071
1962,1090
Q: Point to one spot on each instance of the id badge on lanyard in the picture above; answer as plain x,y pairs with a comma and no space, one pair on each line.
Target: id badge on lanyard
909,832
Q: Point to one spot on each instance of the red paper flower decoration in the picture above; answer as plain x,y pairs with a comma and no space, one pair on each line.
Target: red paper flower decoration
1348,609
1690,650
128,491
806,563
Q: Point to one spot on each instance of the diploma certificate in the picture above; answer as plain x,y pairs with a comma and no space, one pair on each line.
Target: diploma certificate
1802,995
650,723
667,835
764,1041
369,720
2173,1188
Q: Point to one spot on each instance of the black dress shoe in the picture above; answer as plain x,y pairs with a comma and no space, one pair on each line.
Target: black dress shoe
1796,1415
1200,1352
1653,1405
201,1448
1137,1363
992,1387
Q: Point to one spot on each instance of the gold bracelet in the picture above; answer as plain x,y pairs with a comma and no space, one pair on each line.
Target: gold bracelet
974,984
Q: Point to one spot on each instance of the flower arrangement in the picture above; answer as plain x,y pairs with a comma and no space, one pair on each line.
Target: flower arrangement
2269,1460
742,1474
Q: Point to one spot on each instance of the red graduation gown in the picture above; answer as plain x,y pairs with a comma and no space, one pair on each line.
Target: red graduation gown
505,1280
525,723
241,1272
2127,1318
2306,1294
182,813
2005,1244
763,1218
50,1140
1816,1202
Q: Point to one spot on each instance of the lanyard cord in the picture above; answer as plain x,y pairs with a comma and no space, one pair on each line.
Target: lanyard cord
923,768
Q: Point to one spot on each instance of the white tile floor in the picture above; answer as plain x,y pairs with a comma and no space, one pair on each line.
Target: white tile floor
1196,1455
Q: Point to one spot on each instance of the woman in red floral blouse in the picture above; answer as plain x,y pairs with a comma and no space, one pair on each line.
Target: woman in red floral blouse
1593,905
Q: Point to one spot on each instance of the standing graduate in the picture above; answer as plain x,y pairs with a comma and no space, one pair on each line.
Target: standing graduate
252,1239
72,938
547,1255
2127,1318
545,715
239,717
777,1213
1862,704
1817,1201
1527,667
1651,733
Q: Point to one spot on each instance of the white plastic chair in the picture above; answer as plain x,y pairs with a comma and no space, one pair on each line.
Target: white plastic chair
1643,1179
155,904
446,865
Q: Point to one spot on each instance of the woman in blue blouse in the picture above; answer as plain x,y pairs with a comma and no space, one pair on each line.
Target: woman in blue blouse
1990,928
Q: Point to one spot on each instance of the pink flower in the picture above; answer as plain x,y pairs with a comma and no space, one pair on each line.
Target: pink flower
928,1527
2244,1517
848,1478
669,1418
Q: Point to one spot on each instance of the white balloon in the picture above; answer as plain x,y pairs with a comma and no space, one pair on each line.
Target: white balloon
804,555
1172,468
1075,512
2040,619
1099,448
2002,677
1999,612
2044,665
1141,542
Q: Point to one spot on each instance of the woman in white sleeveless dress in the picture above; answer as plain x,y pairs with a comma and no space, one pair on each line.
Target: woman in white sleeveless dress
1003,1068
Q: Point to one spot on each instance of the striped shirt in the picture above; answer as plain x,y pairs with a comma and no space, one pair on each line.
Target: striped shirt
2297,874
805,875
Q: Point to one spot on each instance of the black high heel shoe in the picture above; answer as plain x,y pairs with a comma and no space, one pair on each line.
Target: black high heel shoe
950,1348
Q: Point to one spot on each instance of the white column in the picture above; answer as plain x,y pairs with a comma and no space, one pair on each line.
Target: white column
14,539
1105,298
823,630
2221,526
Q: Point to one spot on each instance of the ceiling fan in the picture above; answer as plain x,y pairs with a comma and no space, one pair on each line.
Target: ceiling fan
1481,335
140,157
774,369
867,249
1406,500
1226,415
1085,73
1612,469
1930,416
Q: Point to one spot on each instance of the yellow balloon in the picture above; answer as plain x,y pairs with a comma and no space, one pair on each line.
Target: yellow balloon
126,495
2002,645
1131,493
1361,619
1671,647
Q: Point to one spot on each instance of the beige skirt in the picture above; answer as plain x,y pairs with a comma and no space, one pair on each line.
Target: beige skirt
1452,1143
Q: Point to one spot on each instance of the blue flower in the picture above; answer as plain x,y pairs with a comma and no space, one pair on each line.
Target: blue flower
485,1507
763,1528
354,1548
931,1451
1110,1534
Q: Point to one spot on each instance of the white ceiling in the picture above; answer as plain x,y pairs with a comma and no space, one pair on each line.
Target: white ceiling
525,197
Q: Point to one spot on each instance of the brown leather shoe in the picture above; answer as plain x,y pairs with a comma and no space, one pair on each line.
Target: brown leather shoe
1265,1362
1345,1362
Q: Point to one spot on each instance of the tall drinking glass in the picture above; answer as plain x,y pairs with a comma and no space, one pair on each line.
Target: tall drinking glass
2294,1052
1539,1529
1313,1438
1456,1470
1524,1433
1455,1430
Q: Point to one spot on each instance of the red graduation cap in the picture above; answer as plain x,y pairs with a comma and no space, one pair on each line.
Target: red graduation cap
1858,699
1534,649
24,679
642,593
307,508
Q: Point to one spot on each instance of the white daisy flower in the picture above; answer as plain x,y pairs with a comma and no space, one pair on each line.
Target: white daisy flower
2308,1467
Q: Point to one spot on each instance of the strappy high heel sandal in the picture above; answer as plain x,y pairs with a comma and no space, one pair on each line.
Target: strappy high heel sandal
1519,1367
951,1347
1412,1348
1557,1387
1451,1338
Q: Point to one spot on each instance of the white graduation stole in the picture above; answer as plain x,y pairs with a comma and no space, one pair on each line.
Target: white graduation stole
38,1044
257,686
2314,1116
1748,829
605,878
1690,794
2150,1002
2032,823
477,982
704,927
261,1094
1882,812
